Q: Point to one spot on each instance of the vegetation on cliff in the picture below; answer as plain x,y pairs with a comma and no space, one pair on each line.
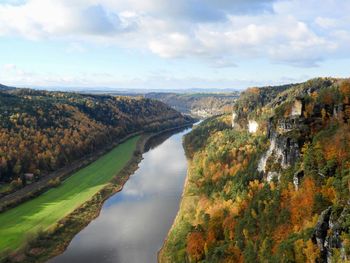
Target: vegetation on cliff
280,194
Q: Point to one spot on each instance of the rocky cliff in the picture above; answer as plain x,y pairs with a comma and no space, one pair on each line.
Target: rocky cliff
271,182
295,122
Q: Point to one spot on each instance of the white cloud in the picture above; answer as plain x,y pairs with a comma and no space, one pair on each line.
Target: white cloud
171,45
298,32
62,18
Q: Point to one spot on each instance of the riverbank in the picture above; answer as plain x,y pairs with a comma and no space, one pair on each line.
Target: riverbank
161,253
187,205
186,211
37,188
54,242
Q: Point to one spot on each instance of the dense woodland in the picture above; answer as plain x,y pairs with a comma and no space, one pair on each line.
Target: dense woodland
295,209
42,131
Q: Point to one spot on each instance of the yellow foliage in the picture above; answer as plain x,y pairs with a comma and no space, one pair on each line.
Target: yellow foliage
298,248
311,252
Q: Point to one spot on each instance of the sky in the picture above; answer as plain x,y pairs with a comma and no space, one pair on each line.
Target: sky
163,44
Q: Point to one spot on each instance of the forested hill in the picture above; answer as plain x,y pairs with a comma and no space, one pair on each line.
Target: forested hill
3,87
200,105
270,182
42,131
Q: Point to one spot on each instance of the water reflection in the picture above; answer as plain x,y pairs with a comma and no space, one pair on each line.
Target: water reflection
133,223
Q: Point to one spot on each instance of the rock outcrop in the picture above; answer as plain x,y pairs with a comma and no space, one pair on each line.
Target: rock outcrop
253,126
320,232
297,108
327,233
234,116
284,149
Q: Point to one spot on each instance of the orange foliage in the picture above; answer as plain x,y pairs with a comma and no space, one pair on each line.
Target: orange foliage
235,168
301,203
281,233
328,97
345,88
255,91
235,255
337,146
195,246
211,237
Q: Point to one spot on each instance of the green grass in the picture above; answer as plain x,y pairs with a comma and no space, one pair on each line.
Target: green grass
41,213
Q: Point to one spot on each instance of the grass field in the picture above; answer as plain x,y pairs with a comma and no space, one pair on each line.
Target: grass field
44,211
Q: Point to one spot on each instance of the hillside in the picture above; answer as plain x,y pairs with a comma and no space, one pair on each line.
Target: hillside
269,183
3,87
42,131
200,105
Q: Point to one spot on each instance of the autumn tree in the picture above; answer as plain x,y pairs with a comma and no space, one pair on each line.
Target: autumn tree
195,246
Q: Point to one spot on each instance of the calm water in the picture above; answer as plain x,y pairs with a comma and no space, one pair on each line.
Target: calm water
134,223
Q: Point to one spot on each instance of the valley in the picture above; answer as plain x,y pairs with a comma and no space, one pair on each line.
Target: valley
183,131
280,155
198,105
42,214
133,223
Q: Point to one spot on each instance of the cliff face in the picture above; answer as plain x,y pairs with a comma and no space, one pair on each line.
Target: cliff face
328,234
287,134
272,183
286,137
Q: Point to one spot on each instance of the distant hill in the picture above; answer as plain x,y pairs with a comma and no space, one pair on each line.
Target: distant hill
200,105
3,87
41,131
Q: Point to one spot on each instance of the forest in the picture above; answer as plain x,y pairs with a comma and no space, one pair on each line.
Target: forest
42,131
278,194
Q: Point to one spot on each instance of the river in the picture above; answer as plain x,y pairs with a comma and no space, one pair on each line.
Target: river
133,223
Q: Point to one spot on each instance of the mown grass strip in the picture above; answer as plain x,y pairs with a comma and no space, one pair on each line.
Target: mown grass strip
41,213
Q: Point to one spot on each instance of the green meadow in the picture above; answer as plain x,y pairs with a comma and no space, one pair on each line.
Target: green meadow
44,211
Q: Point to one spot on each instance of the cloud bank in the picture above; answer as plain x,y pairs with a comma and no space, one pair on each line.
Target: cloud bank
300,33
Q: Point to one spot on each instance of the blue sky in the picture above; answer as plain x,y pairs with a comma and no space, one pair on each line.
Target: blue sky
161,44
